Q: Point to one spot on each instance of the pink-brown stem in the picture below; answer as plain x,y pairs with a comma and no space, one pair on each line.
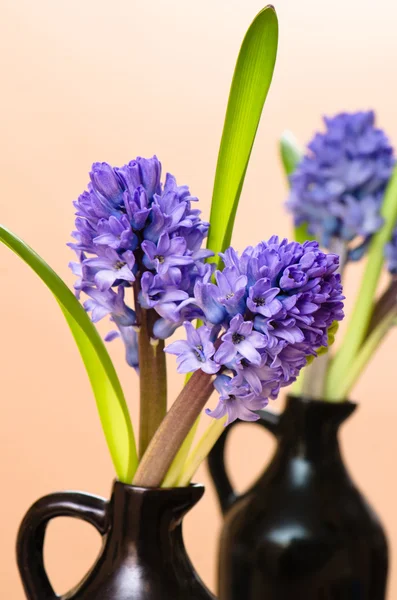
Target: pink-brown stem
173,430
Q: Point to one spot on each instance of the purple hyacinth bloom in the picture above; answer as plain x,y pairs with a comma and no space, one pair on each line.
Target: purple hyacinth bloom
240,339
131,230
292,358
287,295
165,254
172,304
141,172
137,208
213,311
157,224
230,290
106,183
338,187
235,401
130,339
196,352
180,193
101,304
77,269
173,317
276,330
157,290
111,267
263,298
116,234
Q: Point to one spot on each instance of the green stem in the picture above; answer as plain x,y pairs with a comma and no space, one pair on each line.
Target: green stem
175,470
201,451
342,390
153,381
314,377
341,365
173,430
386,303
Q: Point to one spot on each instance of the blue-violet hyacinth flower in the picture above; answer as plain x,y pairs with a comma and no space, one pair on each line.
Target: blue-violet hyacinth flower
196,352
241,339
235,401
132,231
259,336
339,185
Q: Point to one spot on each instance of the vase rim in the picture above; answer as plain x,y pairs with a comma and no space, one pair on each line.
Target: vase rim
321,402
196,489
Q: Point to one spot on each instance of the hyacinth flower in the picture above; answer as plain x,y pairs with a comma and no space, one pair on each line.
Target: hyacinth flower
245,353
139,247
343,194
338,186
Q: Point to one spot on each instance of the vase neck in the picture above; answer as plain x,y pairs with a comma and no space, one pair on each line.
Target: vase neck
309,428
146,521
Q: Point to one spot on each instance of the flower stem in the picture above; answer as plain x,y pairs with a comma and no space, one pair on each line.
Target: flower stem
341,365
201,451
175,470
153,381
342,390
173,430
386,304
314,377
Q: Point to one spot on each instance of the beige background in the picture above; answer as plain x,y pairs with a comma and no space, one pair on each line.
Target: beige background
87,80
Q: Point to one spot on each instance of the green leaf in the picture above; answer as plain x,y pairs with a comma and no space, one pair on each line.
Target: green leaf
251,81
291,154
106,386
363,357
363,308
250,85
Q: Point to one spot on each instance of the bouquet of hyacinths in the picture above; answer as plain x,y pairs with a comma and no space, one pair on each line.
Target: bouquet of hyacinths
141,261
343,193
248,322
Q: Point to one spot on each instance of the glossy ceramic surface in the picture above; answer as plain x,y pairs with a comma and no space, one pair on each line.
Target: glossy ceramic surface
303,531
143,555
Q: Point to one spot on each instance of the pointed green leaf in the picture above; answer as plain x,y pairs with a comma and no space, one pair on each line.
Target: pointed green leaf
106,386
291,155
250,85
290,152
361,315
251,81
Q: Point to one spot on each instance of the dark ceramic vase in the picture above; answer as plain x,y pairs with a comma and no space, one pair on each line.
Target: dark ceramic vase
143,556
303,531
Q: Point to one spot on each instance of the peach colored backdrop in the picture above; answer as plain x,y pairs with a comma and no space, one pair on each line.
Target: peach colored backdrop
93,80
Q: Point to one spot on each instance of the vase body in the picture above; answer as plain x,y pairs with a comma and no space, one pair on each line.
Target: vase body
303,531
142,557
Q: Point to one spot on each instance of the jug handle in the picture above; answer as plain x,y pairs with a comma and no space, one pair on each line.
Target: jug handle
216,459
31,534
